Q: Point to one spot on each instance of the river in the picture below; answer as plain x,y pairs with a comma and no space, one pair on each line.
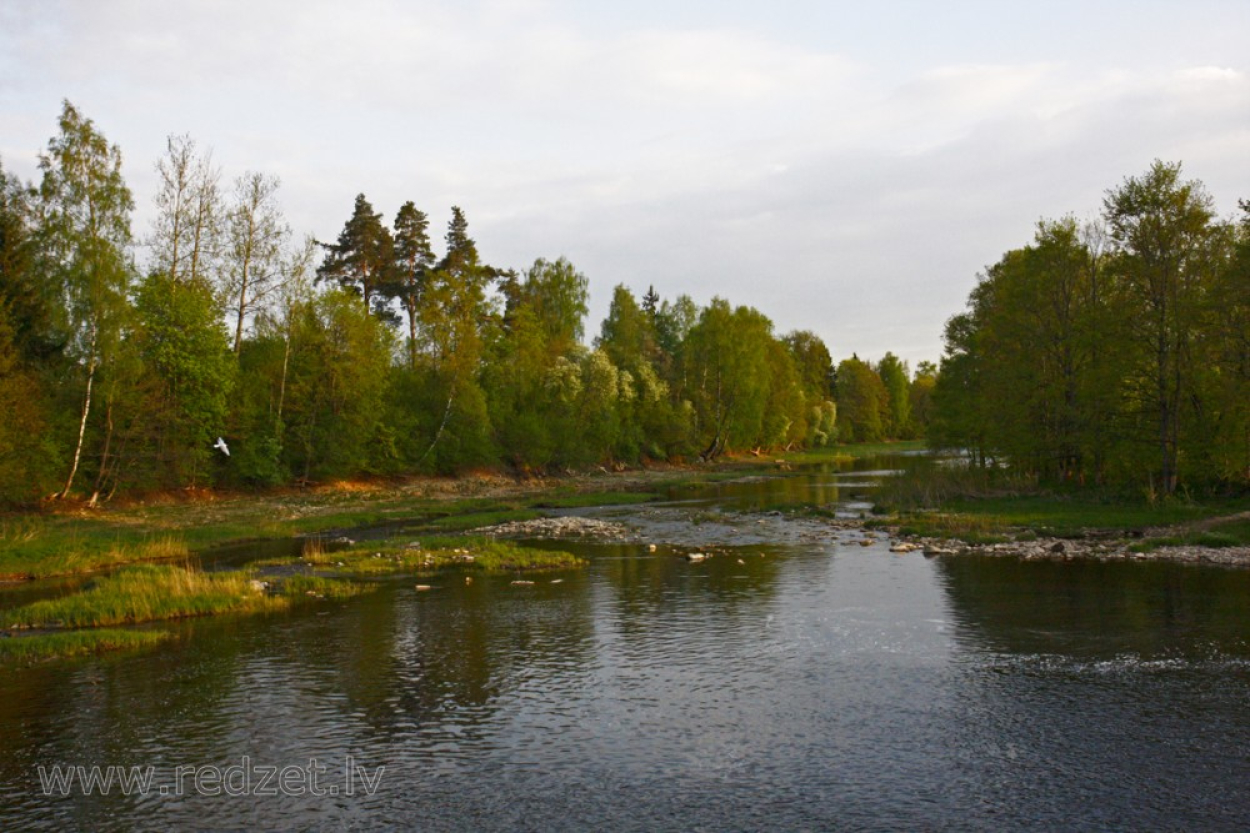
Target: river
791,682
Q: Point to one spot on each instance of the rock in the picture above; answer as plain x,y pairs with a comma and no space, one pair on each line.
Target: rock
423,587
650,547
696,556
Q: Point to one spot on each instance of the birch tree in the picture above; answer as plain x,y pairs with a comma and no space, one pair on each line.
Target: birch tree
85,228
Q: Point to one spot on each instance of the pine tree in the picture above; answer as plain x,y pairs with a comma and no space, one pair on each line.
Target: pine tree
362,259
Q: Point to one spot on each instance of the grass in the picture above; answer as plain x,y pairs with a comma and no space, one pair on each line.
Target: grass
72,541
1234,533
578,501
33,553
844,453
990,506
146,593
42,646
438,554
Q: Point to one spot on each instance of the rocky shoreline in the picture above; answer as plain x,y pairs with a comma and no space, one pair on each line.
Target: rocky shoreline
728,529
1066,549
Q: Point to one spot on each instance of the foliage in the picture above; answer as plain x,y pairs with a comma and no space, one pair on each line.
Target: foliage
111,385
1113,352
863,403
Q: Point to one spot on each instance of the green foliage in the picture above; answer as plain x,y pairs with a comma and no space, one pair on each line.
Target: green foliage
1109,353
124,390
335,389
362,259
189,374
896,378
863,403
26,453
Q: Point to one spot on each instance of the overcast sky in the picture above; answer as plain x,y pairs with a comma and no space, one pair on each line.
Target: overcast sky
845,168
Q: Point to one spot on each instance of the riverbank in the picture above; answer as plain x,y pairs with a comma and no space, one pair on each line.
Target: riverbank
1063,527
73,540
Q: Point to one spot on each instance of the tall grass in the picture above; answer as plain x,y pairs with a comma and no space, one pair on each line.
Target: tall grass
76,643
435,554
146,593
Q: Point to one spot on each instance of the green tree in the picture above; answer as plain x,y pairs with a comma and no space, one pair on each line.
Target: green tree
25,473
813,362
557,295
414,261
454,316
85,210
895,375
1162,229
189,370
626,335
336,386
363,257
863,402
921,397
725,360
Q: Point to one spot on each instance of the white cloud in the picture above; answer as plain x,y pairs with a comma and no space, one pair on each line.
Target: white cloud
839,194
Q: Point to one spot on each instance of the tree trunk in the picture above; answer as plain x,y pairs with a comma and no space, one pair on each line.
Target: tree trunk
438,435
82,429
104,458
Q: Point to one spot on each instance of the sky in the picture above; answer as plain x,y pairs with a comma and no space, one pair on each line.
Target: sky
845,168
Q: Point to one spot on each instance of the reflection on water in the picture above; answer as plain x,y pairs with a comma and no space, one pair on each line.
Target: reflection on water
805,685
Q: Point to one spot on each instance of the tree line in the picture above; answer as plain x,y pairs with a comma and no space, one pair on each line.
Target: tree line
1115,351
368,354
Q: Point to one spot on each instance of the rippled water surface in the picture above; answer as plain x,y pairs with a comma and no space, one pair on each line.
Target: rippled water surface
809,684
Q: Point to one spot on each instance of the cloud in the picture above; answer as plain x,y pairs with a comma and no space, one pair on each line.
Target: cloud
854,196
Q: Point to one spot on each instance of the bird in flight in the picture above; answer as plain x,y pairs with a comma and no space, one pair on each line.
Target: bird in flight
221,444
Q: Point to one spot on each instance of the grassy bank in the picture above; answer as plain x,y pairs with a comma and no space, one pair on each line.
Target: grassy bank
983,507
149,593
471,555
34,647
68,541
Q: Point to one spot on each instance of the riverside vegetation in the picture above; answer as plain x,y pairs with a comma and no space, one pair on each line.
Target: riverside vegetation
124,357
1106,365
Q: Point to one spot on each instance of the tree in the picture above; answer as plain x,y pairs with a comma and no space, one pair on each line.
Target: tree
256,236
362,259
336,387
187,364
557,294
626,335
814,364
24,456
725,359
186,228
895,376
33,305
414,261
921,397
453,316
84,239
863,402
1162,229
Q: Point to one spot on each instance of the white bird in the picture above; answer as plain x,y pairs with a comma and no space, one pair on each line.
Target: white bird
221,444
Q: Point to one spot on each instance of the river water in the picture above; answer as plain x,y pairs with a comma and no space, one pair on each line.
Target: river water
794,682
